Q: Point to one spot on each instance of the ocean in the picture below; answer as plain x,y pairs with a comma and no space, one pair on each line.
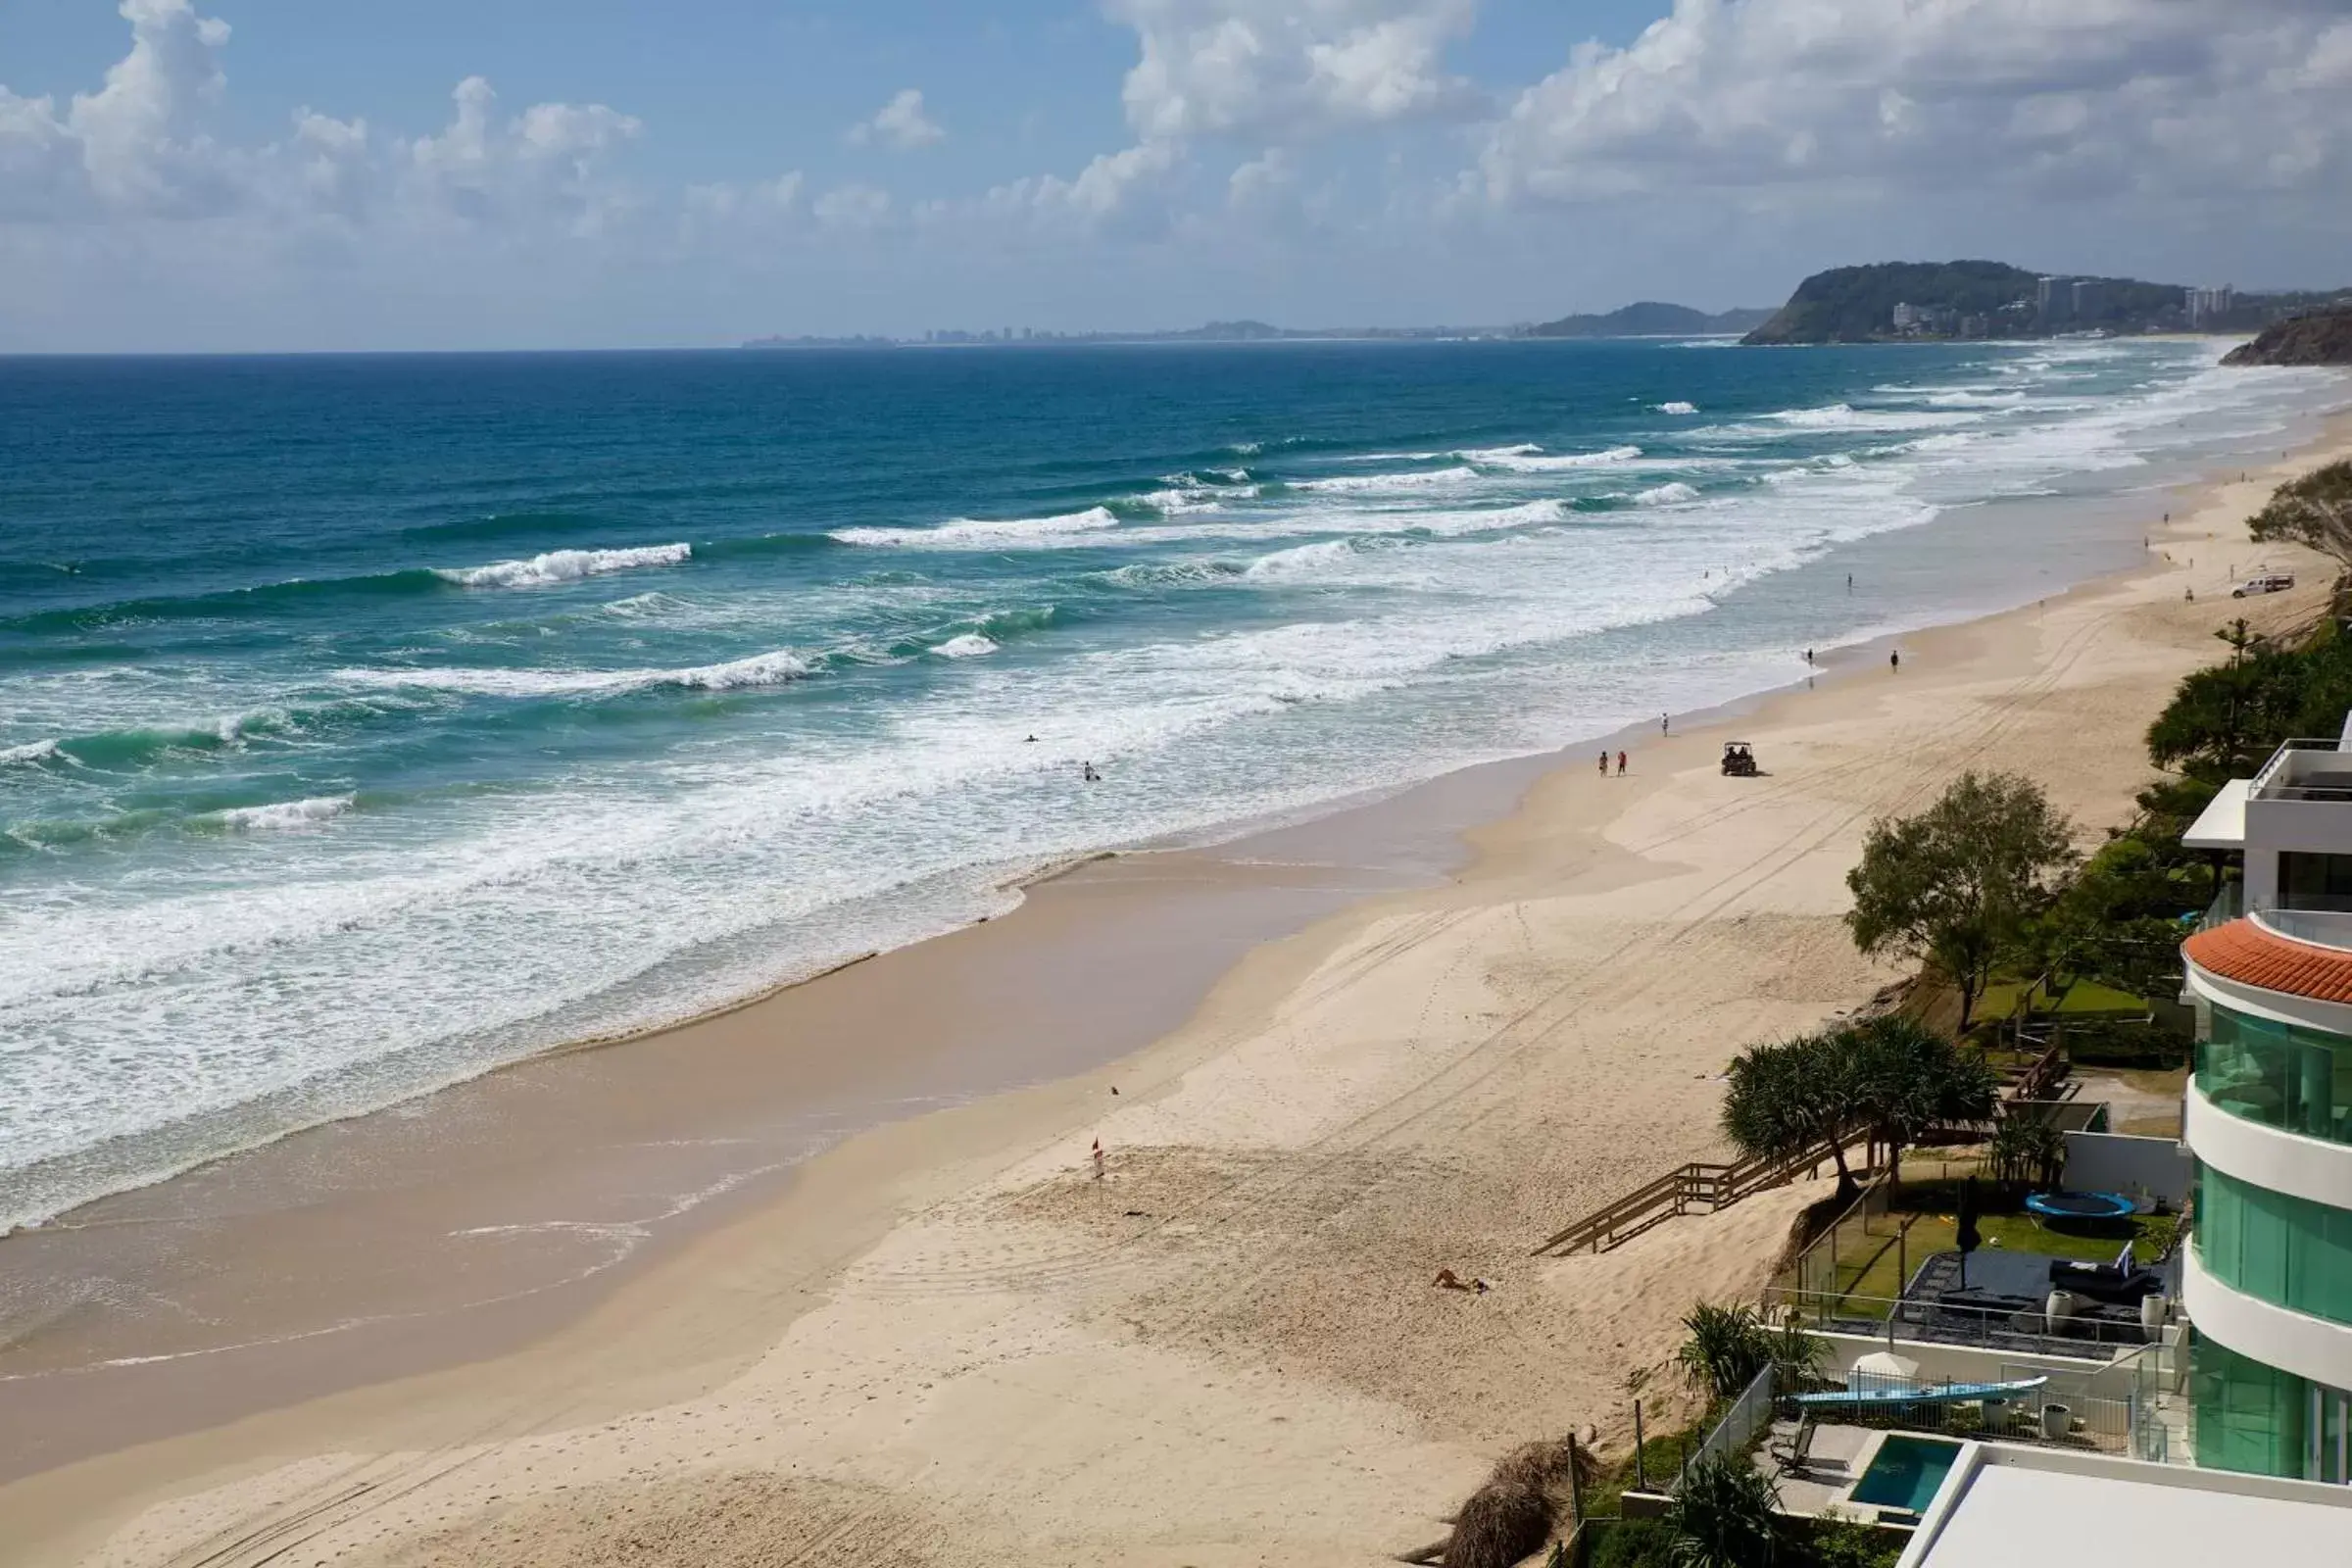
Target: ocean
368,721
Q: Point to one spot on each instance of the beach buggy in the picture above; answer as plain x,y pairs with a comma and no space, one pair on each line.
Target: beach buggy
1737,761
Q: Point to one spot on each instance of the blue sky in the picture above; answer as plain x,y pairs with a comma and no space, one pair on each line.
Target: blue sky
292,175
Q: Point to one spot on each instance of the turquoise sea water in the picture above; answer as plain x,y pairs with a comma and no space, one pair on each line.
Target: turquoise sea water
368,721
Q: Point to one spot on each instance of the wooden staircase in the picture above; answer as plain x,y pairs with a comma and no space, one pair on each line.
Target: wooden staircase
1696,1185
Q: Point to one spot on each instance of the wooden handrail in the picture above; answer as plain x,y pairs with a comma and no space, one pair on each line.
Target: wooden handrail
1698,1182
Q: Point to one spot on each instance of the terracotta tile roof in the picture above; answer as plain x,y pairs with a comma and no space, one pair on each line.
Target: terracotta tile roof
2252,955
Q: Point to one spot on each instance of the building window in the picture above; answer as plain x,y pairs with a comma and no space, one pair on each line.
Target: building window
2279,1075
2249,1417
2314,881
2283,1249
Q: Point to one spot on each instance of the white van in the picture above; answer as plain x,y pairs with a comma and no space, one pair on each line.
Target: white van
2269,583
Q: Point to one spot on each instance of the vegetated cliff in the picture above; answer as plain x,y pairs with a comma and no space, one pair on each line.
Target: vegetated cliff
1856,303
1650,318
2324,337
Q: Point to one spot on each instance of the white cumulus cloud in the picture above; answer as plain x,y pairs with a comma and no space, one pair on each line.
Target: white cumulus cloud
900,122
2061,96
1290,67
135,145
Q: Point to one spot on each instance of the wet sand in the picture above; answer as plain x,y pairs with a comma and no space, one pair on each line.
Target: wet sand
1433,1026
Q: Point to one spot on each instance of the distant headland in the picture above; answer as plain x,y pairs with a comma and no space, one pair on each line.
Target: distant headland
1645,318
2322,337
1892,301
1882,302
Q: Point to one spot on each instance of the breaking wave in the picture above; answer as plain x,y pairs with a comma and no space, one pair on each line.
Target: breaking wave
284,815
1378,483
757,670
967,533
563,565
34,752
1550,462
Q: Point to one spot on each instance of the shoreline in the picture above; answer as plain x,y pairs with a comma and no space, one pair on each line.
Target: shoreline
72,1181
1523,825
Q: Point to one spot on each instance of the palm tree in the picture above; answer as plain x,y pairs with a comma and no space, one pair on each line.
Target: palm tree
1908,1079
1723,1514
1786,1098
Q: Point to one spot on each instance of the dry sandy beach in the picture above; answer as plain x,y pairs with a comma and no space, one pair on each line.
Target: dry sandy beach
942,1341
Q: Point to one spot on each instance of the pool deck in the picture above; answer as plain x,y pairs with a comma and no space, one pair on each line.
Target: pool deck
1840,1457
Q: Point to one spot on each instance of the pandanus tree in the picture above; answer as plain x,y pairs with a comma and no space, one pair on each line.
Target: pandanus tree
1786,1098
1890,1077
1909,1079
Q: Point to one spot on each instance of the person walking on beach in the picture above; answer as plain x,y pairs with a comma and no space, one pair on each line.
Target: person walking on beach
1665,723
1604,763
1894,659
1621,764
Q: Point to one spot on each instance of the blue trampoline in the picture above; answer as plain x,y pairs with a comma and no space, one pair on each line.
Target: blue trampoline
2080,1205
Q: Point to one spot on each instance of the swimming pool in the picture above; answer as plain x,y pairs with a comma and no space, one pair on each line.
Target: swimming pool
1906,1473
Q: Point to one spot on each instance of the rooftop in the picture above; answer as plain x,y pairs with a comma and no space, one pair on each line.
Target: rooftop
2250,952
2003,1504
2305,769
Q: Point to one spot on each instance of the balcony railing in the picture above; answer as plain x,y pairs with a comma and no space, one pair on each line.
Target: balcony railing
2305,769
2325,922
2227,906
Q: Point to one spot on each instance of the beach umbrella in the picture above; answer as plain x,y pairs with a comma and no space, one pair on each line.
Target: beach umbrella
1888,1364
1965,1222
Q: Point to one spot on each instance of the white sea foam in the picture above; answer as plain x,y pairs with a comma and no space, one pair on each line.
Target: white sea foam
564,566
1525,449
1846,417
1559,463
1181,499
34,751
1379,483
1666,495
970,645
757,670
1300,561
1484,519
969,533
284,815
1678,406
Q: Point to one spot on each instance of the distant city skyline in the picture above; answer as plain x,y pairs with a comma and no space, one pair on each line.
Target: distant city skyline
222,174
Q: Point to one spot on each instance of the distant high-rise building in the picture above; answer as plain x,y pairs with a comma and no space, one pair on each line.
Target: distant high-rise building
2090,299
2207,304
2053,299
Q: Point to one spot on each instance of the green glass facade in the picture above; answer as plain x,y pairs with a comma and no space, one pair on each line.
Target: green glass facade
2279,1075
2276,1248
2279,1248
2248,1417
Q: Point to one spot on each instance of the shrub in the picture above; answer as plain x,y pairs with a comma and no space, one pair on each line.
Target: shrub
1501,1523
1724,1515
1632,1544
1846,1543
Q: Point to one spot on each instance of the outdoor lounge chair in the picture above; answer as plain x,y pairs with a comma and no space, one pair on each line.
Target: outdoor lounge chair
1796,1455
